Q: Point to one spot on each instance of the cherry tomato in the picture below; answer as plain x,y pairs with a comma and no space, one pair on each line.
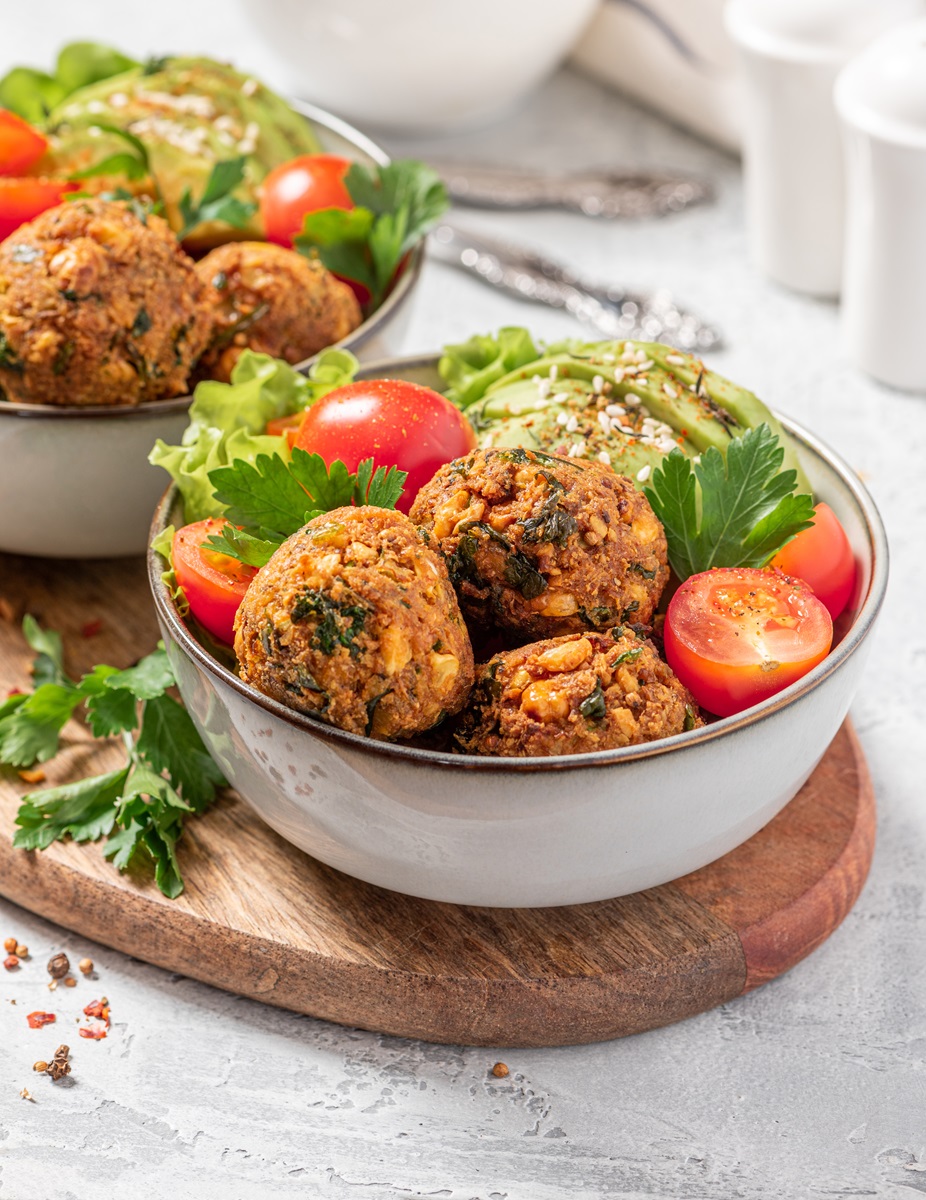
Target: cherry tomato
286,426
393,422
21,146
823,558
23,199
213,583
301,186
737,635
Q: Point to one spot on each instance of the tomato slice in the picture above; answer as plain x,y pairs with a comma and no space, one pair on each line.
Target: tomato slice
737,635
23,199
823,558
213,583
301,186
21,146
391,421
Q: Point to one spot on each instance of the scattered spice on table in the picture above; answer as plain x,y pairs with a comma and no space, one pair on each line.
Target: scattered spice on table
91,628
60,1065
11,962
27,1095
70,981
41,1066
58,966
21,952
85,966
100,1010
10,945
36,775
40,1018
500,1070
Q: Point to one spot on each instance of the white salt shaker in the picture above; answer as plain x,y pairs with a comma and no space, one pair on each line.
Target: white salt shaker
881,101
790,53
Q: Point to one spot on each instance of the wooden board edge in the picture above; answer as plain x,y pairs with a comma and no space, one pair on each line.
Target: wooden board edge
781,941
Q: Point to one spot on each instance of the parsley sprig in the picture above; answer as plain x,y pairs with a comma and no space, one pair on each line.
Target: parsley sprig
736,510
217,203
395,206
140,808
269,500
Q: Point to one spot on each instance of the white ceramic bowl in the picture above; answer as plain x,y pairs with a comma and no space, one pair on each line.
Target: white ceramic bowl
418,65
76,482
533,831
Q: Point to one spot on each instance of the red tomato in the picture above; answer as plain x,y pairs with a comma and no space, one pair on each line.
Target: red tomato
213,583
823,558
394,423
21,146
23,199
301,186
737,635
286,426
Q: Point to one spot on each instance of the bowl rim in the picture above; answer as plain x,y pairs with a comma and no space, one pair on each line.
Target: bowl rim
868,610
356,339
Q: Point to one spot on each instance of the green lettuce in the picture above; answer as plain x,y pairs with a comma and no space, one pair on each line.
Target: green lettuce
470,368
227,421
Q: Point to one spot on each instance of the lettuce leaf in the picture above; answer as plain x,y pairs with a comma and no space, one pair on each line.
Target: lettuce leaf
227,421
470,368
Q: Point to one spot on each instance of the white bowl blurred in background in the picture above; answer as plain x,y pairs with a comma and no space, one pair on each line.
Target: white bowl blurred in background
418,65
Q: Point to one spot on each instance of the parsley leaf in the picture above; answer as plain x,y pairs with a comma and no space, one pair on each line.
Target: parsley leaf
141,807
217,202
272,499
395,206
736,510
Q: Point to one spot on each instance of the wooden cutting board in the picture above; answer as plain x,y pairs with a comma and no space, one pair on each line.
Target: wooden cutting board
260,918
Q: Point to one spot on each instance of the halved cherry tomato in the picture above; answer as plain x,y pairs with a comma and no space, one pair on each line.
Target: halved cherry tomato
23,199
822,557
21,146
288,426
213,583
301,186
737,635
393,422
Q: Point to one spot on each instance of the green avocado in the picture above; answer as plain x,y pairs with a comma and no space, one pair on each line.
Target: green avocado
627,403
189,113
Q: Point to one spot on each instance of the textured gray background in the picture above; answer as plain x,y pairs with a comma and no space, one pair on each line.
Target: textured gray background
813,1086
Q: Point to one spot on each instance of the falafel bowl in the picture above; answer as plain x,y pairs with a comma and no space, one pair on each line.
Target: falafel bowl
164,254
477,702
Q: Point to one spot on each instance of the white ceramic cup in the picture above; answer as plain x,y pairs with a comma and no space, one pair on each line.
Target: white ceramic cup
881,101
790,53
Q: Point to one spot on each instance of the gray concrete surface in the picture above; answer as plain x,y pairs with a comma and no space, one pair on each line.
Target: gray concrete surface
814,1086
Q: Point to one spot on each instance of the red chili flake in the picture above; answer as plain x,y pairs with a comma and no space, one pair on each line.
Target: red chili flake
91,628
98,1009
96,1032
39,1019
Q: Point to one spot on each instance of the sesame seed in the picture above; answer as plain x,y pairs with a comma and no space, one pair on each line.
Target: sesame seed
543,388
605,457
597,383
572,424
249,87
644,364
554,371
625,428
605,422
643,473
560,397
670,391
629,352
616,410
675,359
632,400
577,450
118,100
608,358
666,445
618,374
562,418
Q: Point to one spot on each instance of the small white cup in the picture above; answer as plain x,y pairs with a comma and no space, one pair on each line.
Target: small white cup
881,101
790,53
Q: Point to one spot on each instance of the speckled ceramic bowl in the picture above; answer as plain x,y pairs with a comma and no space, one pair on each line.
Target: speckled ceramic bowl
532,831
76,483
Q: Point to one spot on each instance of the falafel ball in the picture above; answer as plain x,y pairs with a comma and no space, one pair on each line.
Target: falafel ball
98,307
570,695
354,619
542,546
272,300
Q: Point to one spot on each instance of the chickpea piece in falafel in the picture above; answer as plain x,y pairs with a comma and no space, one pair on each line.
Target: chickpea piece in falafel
569,695
541,546
354,620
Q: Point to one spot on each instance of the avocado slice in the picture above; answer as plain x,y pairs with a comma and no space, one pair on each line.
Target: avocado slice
190,113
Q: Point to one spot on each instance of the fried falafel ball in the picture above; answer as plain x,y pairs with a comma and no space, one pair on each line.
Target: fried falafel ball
98,307
542,546
354,619
272,300
573,694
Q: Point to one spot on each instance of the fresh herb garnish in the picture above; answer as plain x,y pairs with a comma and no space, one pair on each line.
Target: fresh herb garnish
133,166
395,206
736,510
141,807
217,202
594,707
268,501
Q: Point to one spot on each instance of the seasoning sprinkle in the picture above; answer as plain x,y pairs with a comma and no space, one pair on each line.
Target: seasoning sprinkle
85,966
58,966
500,1070
10,945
